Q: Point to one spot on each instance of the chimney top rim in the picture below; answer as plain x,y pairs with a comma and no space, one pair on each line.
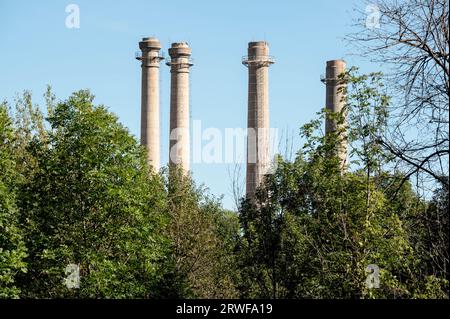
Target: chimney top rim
258,43
336,62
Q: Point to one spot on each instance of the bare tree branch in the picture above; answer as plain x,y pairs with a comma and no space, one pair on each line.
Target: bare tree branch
413,41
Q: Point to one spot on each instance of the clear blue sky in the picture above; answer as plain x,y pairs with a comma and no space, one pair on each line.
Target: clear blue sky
37,49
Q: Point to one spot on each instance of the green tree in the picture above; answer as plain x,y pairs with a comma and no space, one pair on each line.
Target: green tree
312,230
201,234
92,202
12,247
29,124
430,237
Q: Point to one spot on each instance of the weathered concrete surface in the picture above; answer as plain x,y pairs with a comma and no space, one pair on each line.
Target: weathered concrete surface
335,101
150,134
179,152
258,161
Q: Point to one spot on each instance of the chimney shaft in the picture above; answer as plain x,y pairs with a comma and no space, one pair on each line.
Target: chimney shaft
179,63
258,62
335,102
150,59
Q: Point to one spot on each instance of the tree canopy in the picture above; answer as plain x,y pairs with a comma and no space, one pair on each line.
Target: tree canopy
83,216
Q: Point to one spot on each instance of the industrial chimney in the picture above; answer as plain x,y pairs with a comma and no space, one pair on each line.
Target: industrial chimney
179,63
150,58
258,161
335,102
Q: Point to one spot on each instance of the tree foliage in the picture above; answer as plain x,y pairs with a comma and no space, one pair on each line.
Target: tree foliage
312,230
12,247
201,236
93,203
75,188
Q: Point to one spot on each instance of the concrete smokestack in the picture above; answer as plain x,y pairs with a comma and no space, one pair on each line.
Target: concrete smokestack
335,102
179,63
258,161
150,59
